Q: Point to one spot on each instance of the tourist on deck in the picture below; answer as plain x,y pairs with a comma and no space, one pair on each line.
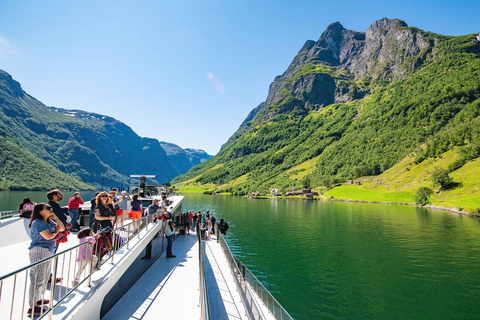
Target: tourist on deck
214,220
123,204
104,215
153,207
85,253
73,207
44,226
136,212
194,221
223,226
186,222
26,207
208,224
54,197
93,205
167,225
163,203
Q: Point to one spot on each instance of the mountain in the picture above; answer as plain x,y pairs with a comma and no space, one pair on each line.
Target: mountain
184,159
354,104
86,146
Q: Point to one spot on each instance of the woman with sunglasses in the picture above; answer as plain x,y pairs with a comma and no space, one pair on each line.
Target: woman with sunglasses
44,226
104,214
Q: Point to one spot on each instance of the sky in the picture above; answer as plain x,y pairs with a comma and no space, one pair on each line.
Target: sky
185,72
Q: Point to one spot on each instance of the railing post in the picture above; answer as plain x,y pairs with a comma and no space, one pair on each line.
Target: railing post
53,285
128,236
112,253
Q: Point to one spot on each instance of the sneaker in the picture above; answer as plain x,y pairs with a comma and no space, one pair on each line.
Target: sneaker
44,302
57,280
37,311
95,269
172,256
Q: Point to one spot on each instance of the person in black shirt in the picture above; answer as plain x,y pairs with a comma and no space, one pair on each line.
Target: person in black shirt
54,197
104,215
93,205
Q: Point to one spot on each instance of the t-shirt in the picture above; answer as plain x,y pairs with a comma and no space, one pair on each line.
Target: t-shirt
28,207
105,212
161,204
93,203
39,225
136,205
57,210
169,230
74,203
152,208
123,204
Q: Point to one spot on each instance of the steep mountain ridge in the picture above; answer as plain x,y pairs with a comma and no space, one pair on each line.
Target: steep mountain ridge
84,145
184,159
353,104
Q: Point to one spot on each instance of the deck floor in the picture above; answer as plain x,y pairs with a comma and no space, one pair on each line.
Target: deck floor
170,288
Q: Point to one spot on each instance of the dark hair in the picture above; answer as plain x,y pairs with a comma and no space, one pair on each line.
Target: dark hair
26,200
52,193
84,233
114,189
36,213
135,196
96,193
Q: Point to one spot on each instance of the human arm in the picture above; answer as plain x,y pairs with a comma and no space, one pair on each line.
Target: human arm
99,217
47,234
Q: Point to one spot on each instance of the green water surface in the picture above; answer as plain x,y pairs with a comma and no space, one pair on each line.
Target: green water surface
334,260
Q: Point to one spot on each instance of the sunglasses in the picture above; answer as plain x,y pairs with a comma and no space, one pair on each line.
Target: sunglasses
48,208
103,196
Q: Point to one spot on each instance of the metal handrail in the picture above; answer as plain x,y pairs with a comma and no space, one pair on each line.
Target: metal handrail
64,265
204,303
9,214
243,276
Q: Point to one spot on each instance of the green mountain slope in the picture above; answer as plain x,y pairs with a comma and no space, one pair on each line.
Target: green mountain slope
86,146
20,170
354,104
184,159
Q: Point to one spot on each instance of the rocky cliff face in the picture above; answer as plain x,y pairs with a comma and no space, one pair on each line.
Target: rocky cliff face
329,70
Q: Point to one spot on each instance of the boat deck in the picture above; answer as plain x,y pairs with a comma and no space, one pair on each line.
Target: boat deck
170,288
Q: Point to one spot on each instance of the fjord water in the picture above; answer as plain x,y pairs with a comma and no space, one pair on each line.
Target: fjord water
335,260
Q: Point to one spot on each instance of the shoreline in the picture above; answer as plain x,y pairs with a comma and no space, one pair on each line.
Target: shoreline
322,197
431,206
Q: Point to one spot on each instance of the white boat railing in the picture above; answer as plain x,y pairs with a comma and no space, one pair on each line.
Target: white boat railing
9,214
14,289
246,282
204,303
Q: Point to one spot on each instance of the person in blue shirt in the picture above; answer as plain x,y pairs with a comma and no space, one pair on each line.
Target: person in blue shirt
167,226
44,226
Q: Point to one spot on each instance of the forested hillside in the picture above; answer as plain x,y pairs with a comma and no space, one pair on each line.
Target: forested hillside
40,142
354,104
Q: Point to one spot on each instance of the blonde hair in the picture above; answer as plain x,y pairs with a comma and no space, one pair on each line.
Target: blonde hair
99,197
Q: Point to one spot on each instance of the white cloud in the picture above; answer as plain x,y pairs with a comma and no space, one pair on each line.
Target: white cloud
7,51
4,43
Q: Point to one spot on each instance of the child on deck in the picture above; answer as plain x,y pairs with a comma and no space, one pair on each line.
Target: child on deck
85,253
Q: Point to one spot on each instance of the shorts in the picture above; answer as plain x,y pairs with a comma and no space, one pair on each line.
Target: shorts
135,215
124,214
